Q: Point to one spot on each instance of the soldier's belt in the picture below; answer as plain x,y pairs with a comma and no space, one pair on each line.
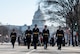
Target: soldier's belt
59,34
35,33
45,34
35,36
28,34
13,36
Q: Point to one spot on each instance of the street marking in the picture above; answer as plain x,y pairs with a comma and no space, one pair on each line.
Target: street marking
58,51
30,51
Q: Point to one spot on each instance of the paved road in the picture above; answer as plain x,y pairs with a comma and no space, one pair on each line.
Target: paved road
6,48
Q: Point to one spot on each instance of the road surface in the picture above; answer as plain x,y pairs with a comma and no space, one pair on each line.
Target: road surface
6,48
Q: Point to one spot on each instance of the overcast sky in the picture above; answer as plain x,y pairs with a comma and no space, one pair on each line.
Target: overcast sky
17,12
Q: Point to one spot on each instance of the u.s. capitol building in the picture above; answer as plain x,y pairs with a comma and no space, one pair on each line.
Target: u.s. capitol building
40,20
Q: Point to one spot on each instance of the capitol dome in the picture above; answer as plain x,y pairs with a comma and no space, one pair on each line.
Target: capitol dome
38,18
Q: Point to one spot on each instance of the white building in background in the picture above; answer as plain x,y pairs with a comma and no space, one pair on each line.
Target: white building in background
23,28
38,19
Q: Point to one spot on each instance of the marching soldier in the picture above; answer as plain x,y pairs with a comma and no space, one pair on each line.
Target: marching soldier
45,36
60,36
28,33
13,36
35,36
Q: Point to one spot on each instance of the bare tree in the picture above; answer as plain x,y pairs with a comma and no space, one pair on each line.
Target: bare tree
63,7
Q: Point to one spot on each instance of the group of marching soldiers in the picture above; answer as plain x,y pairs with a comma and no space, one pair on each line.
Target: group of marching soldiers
35,33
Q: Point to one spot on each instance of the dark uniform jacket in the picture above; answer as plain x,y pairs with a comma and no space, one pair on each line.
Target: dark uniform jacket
60,35
45,35
13,36
28,34
35,35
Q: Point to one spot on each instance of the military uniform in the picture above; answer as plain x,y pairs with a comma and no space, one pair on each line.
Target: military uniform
28,37
13,38
60,36
45,37
35,37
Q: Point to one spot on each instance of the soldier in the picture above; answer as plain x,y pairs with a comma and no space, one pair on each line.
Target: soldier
13,36
45,36
60,35
35,36
28,33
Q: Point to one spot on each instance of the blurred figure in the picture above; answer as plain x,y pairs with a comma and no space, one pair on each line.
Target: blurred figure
40,39
35,36
19,40
52,40
28,34
25,41
45,36
74,35
76,39
1,39
63,41
13,36
68,36
60,36
7,39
